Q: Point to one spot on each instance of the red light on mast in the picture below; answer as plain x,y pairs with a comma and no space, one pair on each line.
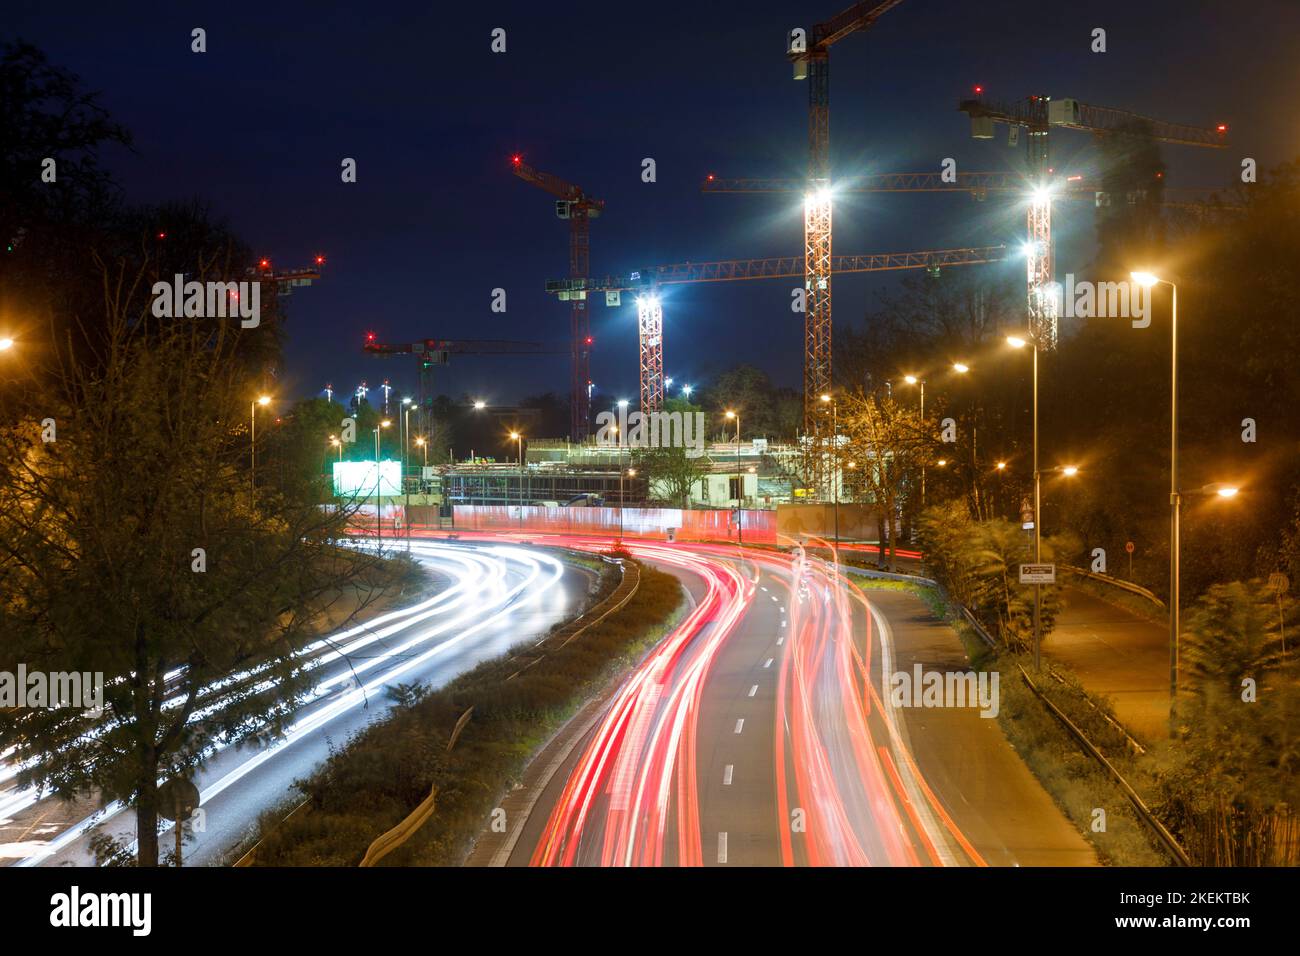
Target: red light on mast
1222,127
516,159
265,263
979,91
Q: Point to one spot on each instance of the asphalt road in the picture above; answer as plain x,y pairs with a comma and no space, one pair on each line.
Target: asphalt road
759,733
1117,654
490,597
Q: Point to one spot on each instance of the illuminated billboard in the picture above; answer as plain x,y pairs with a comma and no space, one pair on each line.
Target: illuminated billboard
357,479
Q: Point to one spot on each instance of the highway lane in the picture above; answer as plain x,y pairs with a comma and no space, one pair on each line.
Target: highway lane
495,596
758,734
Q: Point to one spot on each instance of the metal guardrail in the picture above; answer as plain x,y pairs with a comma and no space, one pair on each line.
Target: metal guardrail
1116,582
1144,813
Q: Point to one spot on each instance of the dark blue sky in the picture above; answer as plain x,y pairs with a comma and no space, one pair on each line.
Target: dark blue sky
259,124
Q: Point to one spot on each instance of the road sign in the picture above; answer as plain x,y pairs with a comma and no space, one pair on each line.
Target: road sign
1128,546
1038,574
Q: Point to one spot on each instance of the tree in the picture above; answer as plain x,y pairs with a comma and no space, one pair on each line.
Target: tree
676,469
130,546
884,447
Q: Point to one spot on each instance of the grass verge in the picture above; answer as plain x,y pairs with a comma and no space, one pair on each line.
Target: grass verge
375,779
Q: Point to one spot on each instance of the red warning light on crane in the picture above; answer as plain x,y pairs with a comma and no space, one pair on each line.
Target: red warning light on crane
1222,127
370,336
589,340
516,159
265,263
979,91
320,260
162,235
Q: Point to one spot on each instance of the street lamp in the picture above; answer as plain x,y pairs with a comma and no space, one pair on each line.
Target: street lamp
479,406
6,343
379,504
740,480
631,473
1020,342
961,368
406,488
914,380
518,439
252,445
687,389
1147,280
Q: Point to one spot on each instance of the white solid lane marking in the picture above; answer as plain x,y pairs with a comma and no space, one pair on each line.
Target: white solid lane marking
780,640
753,690
726,774
740,725
769,662
722,847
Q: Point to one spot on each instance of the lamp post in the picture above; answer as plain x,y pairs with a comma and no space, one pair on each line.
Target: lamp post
406,486
631,473
518,439
1019,342
379,501
740,481
252,446
913,380
1148,281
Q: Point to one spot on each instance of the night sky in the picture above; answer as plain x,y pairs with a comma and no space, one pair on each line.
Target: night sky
259,124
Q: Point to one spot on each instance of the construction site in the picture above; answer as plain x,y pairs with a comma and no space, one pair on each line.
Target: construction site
756,471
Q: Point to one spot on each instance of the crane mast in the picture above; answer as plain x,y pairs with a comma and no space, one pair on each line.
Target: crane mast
579,209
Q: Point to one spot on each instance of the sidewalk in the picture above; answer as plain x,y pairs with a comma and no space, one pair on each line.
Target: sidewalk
1115,654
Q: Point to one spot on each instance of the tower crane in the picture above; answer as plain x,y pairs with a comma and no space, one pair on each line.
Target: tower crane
650,310
1036,115
812,63
573,204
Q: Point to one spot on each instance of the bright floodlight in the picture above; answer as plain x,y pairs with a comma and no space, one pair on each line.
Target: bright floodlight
826,398
1145,279
1001,465
960,368
406,401
1069,470
910,379
480,405
1042,193
686,390
1016,342
264,400
622,403
6,343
